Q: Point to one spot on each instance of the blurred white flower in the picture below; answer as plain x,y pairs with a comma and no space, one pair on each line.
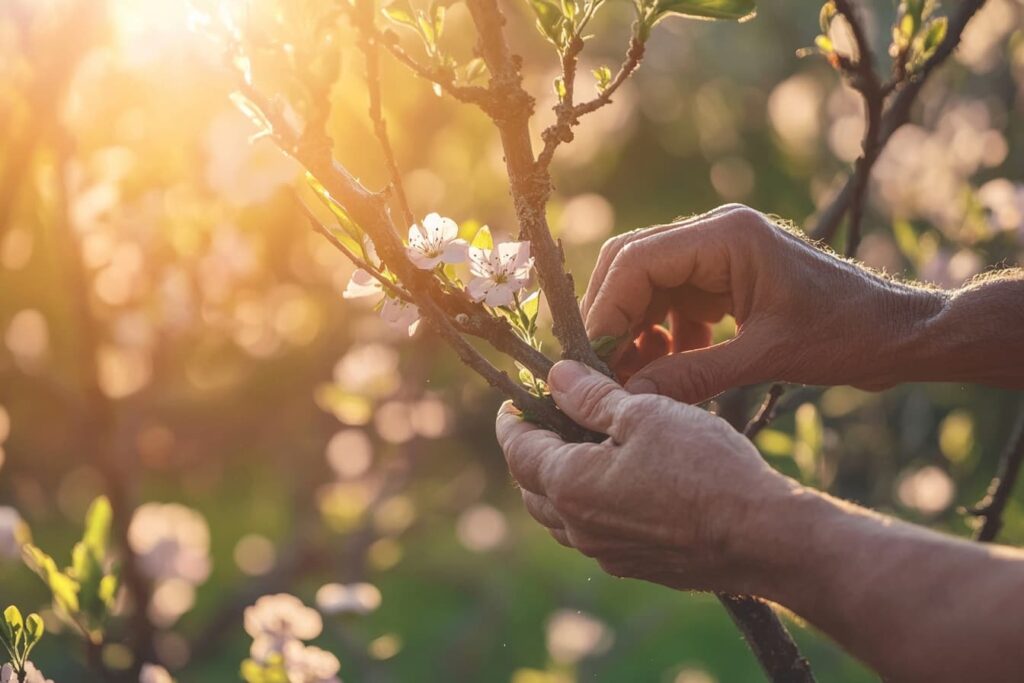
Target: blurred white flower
308,664
13,533
172,542
435,241
32,675
282,617
571,636
357,598
499,273
154,673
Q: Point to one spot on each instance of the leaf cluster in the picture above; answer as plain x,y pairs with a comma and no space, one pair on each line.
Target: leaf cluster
83,593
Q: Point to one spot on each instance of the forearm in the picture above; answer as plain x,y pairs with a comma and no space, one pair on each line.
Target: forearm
913,604
974,334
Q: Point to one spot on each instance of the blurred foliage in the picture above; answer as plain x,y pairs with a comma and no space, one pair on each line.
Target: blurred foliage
169,322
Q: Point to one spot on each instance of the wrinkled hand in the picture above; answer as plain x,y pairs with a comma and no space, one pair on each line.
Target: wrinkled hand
674,496
802,315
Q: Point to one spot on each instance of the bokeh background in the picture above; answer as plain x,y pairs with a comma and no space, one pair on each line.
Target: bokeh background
170,328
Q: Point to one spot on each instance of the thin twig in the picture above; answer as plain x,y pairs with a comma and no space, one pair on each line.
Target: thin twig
364,12
469,94
389,287
568,114
991,508
766,413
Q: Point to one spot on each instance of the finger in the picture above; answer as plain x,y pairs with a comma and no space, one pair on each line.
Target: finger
528,448
588,397
613,246
698,254
695,376
541,509
688,335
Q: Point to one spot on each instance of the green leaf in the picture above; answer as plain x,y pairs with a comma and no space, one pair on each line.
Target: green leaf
33,630
97,527
549,20
474,69
559,85
15,627
108,590
531,305
63,588
349,226
605,346
935,33
401,12
603,76
736,10
826,15
483,238
252,112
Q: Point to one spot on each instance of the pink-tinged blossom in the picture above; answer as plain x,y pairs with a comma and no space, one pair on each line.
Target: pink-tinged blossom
435,241
499,273
401,315
362,284
396,312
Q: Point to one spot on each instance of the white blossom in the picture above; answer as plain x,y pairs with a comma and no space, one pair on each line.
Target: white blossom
396,312
499,273
401,315
362,284
13,532
281,617
308,664
172,542
32,675
435,241
154,673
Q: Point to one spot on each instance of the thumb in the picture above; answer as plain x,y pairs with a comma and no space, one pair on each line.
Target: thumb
585,395
695,376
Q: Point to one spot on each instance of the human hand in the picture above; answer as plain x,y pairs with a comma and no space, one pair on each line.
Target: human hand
674,495
802,315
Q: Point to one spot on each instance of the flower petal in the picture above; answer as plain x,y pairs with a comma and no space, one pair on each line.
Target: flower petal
455,252
500,295
361,284
421,260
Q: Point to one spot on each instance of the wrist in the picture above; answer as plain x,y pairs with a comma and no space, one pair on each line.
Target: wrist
907,319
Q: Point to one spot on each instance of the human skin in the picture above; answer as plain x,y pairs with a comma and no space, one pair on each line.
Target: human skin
677,497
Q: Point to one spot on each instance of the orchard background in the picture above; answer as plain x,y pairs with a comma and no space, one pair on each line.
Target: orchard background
173,335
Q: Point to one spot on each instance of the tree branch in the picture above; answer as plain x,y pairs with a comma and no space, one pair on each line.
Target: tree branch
893,118
568,115
470,94
766,413
364,12
991,508
530,185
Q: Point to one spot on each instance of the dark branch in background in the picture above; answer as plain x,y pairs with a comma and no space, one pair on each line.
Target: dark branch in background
779,656
990,510
893,117
98,432
766,413
862,78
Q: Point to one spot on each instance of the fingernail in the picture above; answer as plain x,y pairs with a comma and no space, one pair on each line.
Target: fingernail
641,385
566,374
